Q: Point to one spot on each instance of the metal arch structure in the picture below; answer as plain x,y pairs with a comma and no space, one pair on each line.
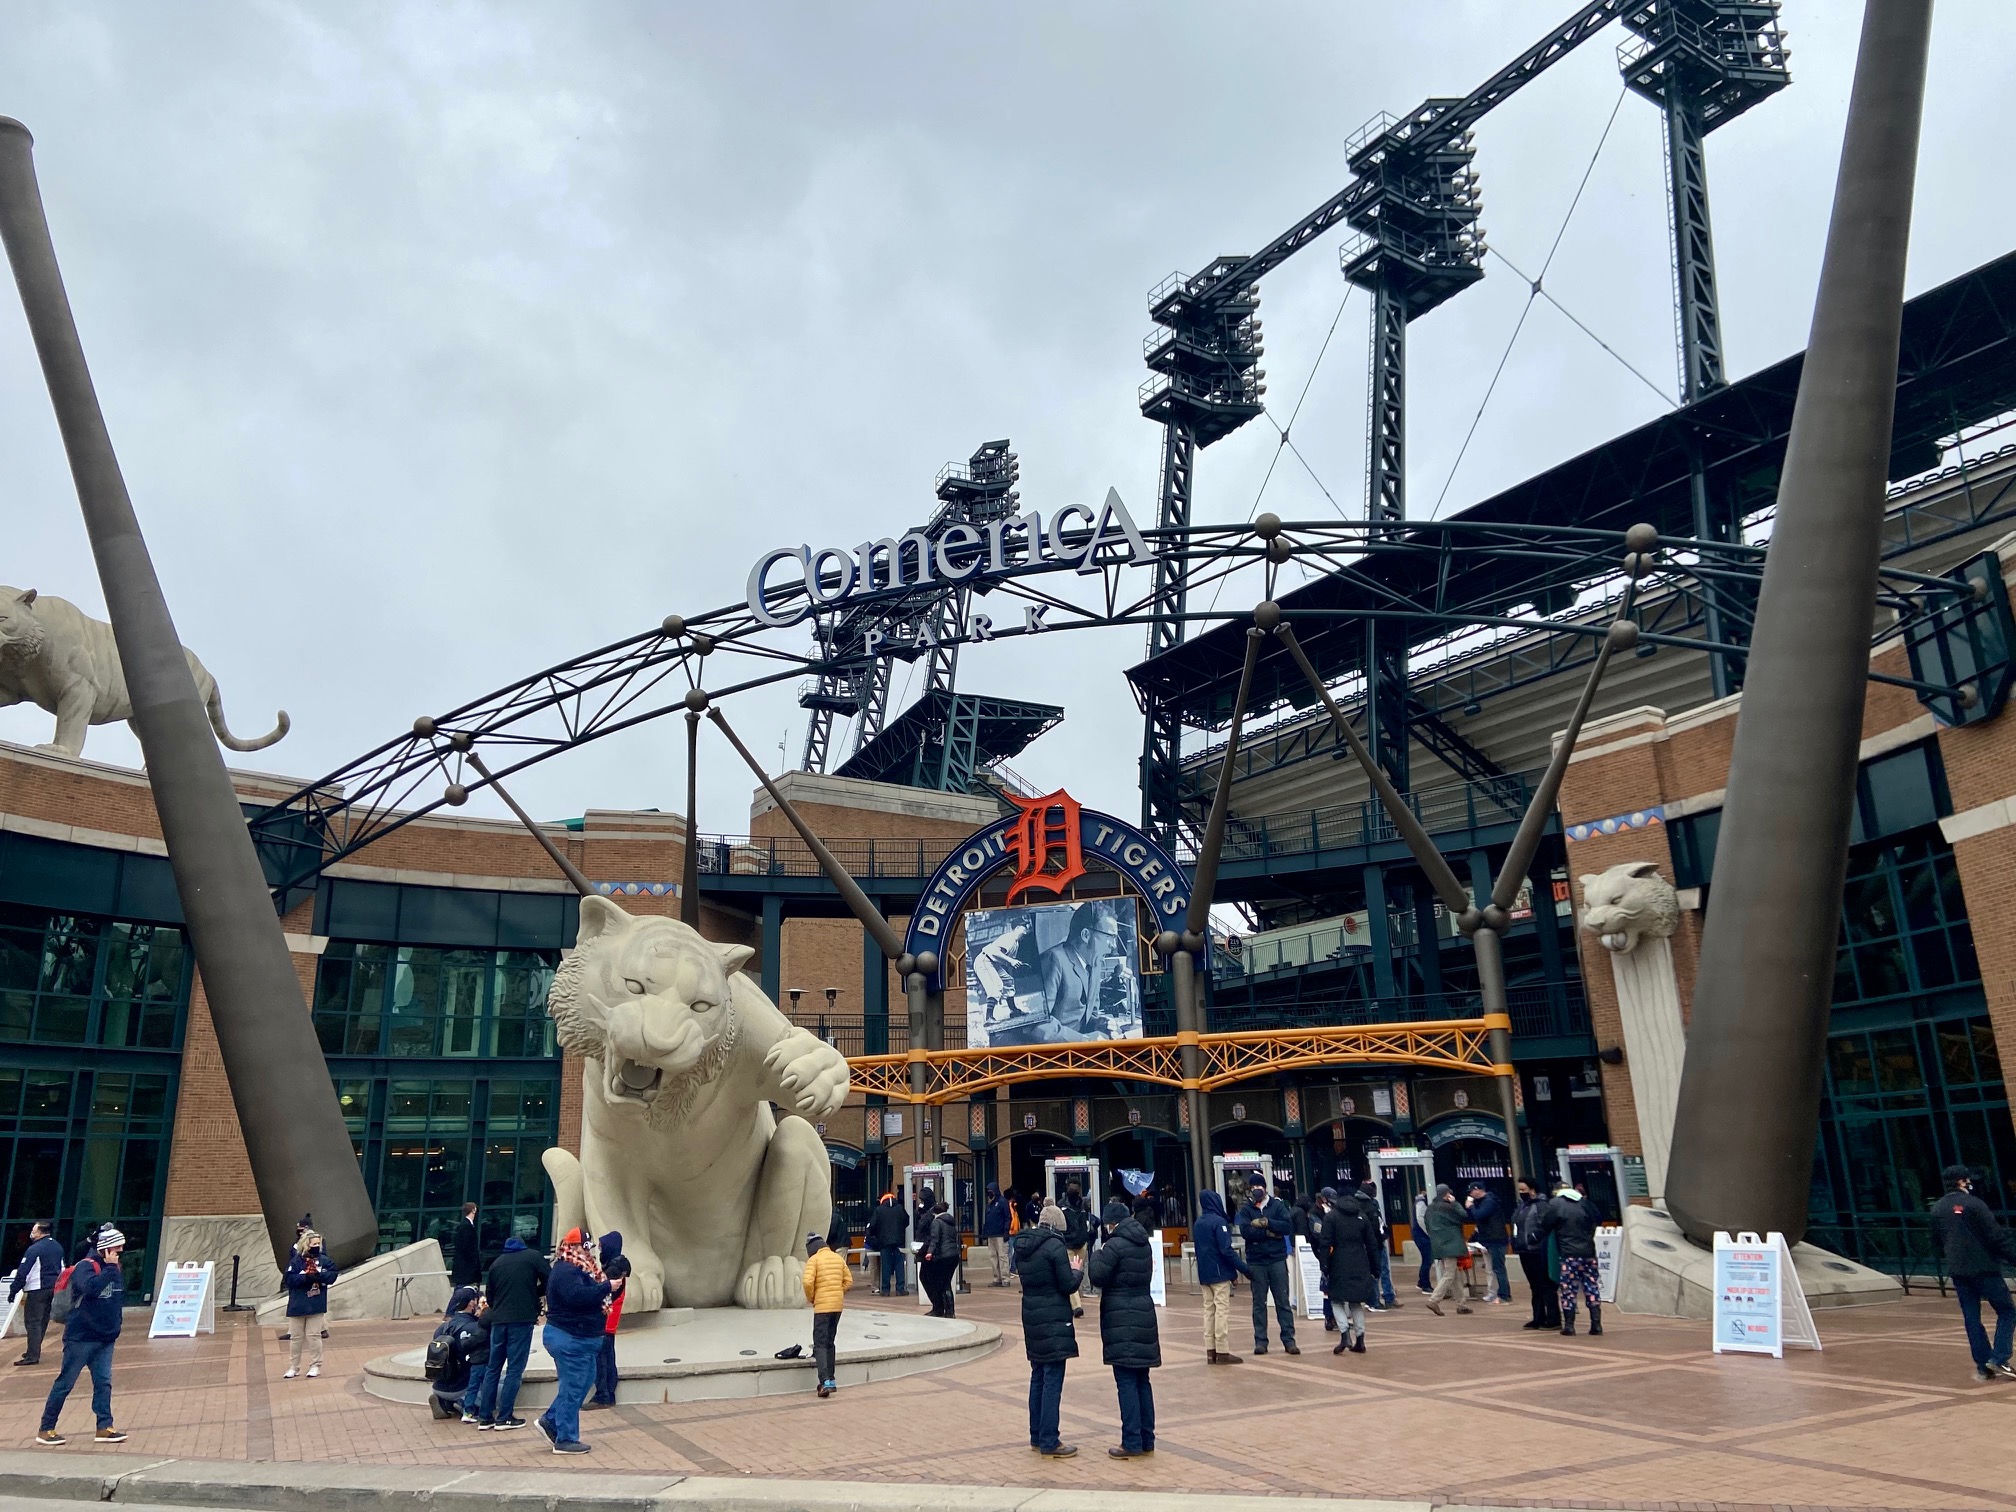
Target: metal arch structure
1459,1045
1442,580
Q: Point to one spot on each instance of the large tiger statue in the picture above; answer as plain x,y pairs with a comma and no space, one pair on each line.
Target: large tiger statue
55,656
680,1151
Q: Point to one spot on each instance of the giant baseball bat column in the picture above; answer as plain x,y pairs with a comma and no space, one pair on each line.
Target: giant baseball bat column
1749,1100
294,1132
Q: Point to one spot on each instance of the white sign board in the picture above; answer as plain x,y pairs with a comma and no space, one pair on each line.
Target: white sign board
1759,1304
1158,1279
186,1305
1609,1250
1311,1274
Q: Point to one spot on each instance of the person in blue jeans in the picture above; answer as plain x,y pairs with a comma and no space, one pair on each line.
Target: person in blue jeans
1267,1225
513,1293
1049,1296
98,1299
1974,1248
577,1317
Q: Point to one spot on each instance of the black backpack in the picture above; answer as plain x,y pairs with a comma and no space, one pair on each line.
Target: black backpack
444,1354
1077,1227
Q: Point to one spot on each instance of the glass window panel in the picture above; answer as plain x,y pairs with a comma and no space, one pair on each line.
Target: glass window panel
136,1177
1920,886
1897,1068
1900,792
451,1104
445,1166
1932,960
35,1177
119,1022
1916,1151
110,1097
1966,968
150,1099
1881,970
1987,1057
98,1183
69,955
1956,1053
165,954
20,959
1866,1155
62,1020
157,1027
405,1168
1854,1072
17,1015
125,960
10,1093
46,1096
1867,906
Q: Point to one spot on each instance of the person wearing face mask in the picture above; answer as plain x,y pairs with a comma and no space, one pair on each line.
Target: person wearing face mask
1975,1248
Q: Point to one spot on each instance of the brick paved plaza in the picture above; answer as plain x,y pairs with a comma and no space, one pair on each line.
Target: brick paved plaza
1457,1410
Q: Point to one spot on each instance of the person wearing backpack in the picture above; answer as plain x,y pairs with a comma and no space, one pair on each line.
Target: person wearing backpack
310,1274
96,1310
35,1279
457,1357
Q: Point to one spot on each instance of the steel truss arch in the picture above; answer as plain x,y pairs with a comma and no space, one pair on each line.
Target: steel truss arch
1461,1045
1480,575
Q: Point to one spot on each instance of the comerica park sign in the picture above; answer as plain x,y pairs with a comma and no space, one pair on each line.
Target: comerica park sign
791,582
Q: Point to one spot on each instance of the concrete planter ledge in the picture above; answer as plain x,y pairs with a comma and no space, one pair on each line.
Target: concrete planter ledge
82,1475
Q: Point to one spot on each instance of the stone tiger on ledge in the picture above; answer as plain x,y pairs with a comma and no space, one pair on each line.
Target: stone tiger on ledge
55,656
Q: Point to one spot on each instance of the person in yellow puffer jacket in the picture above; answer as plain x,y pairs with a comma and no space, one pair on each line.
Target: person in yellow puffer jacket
827,1278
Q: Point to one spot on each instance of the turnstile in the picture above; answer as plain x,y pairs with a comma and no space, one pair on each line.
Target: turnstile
935,1178
1598,1172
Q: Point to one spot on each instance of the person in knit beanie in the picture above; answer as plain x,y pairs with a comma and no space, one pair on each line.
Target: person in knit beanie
1049,1289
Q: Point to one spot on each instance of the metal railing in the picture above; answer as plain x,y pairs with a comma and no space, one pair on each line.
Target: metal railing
1465,805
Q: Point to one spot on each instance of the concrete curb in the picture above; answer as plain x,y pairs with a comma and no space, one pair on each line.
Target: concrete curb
134,1481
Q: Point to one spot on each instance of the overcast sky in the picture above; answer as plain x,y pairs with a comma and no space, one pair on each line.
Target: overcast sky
443,342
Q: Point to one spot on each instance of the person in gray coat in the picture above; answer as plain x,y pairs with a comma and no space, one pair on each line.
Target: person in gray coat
1451,1247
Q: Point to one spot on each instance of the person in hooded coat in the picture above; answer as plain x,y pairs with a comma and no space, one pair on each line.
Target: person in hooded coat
1049,1285
1217,1264
1348,1244
1571,1223
1130,1340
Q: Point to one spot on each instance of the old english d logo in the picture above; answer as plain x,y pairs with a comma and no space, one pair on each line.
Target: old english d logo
1047,831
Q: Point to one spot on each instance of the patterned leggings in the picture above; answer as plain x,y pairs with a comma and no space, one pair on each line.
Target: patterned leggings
1578,1275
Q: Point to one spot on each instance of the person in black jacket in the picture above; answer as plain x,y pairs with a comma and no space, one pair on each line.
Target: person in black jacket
938,1259
454,1391
1529,1243
1572,1223
1975,1246
1267,1225
1347,1242
516,1288
1048,1339
888,1227
35,1278
466,1268
1129,1339
1078,1235
1489,1219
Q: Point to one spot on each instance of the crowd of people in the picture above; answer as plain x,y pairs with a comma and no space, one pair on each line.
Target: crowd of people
1057,1251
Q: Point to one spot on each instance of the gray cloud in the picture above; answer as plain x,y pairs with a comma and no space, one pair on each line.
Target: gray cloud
444,342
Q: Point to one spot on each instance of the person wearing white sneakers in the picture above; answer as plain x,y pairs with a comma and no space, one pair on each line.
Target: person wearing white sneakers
98,1297
310,1274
